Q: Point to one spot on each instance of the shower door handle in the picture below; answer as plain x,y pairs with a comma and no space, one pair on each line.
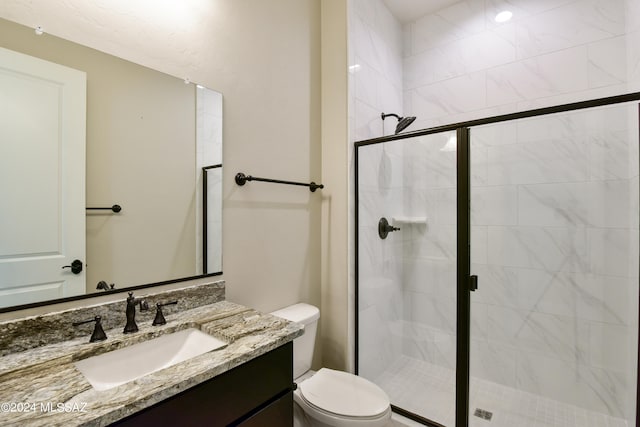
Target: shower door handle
473,283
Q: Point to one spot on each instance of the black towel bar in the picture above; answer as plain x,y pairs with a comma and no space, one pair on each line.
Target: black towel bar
241,179
114,208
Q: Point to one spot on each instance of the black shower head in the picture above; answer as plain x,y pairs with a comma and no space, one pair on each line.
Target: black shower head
403,122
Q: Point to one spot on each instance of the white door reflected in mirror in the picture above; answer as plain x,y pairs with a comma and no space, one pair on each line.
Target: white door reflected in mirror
42,219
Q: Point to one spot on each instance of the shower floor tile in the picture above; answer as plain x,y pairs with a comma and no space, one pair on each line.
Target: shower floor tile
429,390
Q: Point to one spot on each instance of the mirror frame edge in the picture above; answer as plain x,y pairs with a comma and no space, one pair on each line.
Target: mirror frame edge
109,292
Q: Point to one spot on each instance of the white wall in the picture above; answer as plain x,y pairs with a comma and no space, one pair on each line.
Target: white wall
265,59
336,316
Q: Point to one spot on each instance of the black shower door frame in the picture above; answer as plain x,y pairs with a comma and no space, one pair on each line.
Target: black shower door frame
466,282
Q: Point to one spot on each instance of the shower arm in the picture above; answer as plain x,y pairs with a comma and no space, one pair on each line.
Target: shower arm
384,116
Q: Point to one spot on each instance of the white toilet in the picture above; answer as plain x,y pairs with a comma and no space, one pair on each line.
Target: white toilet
328,397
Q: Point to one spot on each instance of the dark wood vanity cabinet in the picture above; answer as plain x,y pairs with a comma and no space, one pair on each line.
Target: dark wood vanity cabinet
256,393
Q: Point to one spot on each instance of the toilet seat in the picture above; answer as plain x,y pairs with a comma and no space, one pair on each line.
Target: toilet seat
331,396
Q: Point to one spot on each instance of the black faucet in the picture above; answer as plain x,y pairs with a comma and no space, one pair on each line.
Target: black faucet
98,333
160,320
103,285
131,315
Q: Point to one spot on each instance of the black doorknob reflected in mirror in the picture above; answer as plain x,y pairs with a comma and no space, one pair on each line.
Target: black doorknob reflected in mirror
76,266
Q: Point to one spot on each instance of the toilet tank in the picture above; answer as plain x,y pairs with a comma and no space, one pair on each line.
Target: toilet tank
308,316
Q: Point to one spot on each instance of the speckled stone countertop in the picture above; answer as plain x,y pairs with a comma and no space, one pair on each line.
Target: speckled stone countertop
31,379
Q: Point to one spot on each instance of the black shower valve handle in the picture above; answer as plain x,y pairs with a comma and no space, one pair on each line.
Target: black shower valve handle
384,228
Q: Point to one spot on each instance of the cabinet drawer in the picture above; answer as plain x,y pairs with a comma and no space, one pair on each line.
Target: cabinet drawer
277,414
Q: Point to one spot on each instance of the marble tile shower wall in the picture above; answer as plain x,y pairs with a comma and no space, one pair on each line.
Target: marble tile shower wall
380,261
376,78
559,274
555,200
460,64
375,85
555,244
544,323
208,153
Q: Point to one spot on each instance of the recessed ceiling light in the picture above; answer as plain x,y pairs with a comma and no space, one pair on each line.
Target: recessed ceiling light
503,16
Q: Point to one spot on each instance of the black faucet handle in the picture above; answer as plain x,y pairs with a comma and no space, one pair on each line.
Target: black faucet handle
162,304
159,319
131,315
98,333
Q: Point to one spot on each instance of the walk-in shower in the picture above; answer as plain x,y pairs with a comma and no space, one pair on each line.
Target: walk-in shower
539,210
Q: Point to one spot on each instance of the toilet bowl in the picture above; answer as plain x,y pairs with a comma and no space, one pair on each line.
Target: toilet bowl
329,397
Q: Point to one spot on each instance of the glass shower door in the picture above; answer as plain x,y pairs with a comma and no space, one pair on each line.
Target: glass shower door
406,280
554,217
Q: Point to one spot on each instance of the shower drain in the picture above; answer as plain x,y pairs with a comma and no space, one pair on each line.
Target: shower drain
481,413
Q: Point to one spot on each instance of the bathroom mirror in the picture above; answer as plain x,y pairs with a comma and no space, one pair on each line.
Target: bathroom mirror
150,140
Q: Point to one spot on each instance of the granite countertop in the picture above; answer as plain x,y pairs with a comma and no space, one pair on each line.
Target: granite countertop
32,379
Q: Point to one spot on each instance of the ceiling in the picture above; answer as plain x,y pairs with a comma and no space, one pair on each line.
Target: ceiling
410,10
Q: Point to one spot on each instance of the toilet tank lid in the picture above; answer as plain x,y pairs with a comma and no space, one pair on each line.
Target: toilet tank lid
300,313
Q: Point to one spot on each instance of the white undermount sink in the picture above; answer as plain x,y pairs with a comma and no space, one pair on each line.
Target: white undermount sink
118,367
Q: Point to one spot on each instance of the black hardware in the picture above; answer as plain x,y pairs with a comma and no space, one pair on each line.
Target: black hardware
484,414
598,102
113,291
473,283
131,315
76,266
403,122
241,179
98,333
384,228
463,261
463,248
114,208
205,226
102,285
160,320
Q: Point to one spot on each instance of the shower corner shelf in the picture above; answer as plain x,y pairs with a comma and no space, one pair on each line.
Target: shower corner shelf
410,220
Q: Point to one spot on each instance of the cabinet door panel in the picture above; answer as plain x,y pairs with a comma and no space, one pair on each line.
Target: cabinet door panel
278,414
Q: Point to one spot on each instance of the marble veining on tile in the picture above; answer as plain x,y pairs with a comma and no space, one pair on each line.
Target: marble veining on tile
47,374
